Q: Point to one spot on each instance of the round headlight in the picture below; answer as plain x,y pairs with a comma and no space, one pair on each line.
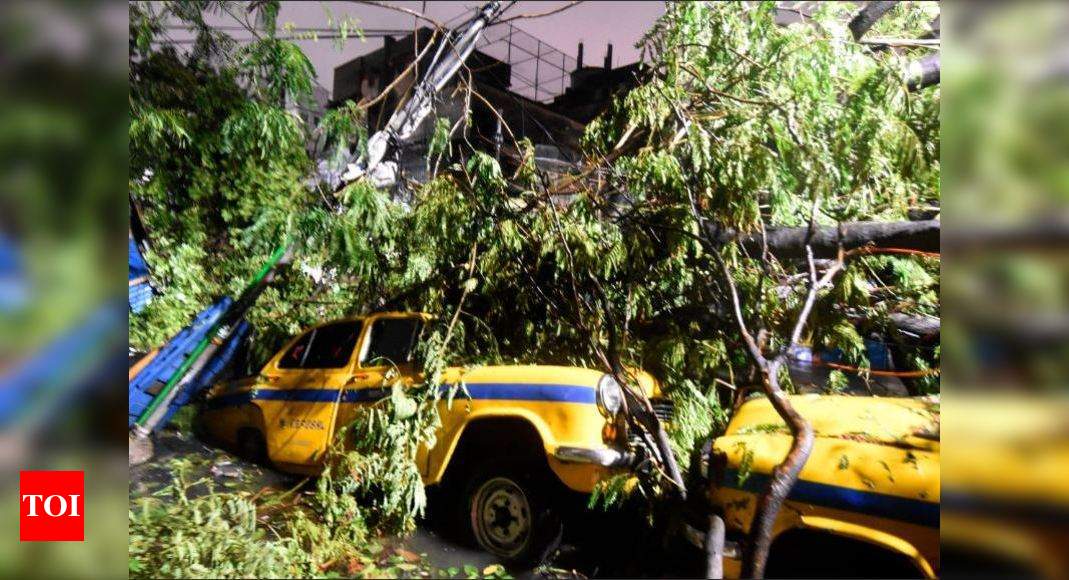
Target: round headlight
610,396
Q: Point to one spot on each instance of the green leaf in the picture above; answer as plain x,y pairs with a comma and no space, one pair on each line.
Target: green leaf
403,406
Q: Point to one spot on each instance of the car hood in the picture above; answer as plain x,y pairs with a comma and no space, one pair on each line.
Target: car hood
873,455
901,422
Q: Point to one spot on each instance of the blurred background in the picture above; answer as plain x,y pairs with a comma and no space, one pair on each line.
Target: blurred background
64,227
63,230
1005,292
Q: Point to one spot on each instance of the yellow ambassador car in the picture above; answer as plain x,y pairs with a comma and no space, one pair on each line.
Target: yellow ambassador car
867,501
525,432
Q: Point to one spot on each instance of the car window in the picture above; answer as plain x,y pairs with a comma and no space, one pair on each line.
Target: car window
326,347
294,357
333,345
393,339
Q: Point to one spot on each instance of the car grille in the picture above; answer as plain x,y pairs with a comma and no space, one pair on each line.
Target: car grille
663,408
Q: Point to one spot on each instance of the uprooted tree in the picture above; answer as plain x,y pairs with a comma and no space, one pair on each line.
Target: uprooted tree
718,219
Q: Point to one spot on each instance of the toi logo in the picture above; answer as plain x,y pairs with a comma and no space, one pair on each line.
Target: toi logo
51,506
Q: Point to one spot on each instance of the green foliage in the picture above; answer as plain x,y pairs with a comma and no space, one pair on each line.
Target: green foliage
223,534
377,454
193,529
845,337
217,170
344,124
276,69
697,416
837,381
440,143
611,491
745,464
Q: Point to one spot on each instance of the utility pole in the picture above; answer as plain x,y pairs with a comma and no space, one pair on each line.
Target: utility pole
538,61
508,58
563,70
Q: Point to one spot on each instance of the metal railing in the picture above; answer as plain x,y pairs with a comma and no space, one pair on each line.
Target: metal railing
539,70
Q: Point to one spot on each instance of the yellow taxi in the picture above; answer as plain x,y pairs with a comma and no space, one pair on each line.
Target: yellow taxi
867,500
514,438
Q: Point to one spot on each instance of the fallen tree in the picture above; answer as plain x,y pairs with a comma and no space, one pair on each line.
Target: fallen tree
797,129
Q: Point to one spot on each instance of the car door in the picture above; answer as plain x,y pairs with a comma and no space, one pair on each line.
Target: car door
301,390
388,345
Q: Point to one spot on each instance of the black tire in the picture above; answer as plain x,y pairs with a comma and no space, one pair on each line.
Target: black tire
510,512
252,446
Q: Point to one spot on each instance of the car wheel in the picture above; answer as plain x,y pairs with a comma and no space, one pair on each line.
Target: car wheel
512,516
251,445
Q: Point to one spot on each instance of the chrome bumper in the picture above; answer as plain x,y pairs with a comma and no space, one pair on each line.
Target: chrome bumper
602,457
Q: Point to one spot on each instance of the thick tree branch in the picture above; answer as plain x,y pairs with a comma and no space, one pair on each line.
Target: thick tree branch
867,17
786,474
714,548
923,73
790,243
923,327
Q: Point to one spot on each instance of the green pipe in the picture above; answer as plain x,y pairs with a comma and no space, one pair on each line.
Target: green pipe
204,342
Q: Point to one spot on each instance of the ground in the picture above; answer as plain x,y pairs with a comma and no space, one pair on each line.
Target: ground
607,545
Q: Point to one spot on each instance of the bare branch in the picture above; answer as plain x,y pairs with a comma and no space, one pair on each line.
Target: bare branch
408,11
714,548
540,14
751,344
814,289
882,41
784,475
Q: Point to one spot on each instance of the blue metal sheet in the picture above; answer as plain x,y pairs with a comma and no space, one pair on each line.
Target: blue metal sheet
171,356
210,373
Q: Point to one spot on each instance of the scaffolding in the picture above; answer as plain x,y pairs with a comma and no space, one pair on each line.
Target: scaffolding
540,71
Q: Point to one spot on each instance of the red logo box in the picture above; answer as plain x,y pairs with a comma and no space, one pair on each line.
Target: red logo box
51,506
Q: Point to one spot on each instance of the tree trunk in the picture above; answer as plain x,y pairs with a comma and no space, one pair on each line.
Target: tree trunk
925,328
790,243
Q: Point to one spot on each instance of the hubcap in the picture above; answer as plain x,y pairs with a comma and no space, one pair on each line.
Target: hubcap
501,517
